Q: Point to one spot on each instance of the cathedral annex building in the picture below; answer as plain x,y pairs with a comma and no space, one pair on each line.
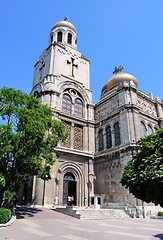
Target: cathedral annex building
102,136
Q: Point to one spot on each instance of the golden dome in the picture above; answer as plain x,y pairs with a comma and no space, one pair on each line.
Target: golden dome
121,77
64,24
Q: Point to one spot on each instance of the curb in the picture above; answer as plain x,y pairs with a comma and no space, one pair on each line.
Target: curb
156,217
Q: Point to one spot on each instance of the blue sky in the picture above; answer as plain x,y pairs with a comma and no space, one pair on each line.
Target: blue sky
110,33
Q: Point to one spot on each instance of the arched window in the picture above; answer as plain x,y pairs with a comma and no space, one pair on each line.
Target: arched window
108,137
69,177
78,107
36,94
149,130
155,129
117,136
101,141
143,129
59,37
66,104
69,38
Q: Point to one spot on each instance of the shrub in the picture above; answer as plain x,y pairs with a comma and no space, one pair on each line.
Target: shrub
7,198
5,215
160,214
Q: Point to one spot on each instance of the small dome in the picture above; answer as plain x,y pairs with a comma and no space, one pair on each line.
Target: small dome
64,24
121,77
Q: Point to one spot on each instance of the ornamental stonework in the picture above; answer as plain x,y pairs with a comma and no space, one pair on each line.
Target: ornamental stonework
67,53
146,106
66,143
106,108
78,137
109,166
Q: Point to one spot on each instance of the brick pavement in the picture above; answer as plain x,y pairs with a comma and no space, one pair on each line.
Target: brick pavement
46,224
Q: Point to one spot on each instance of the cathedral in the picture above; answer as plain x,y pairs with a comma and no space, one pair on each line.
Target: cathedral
102,136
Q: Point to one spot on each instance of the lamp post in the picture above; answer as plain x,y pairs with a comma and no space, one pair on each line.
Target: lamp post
88,186
45,176
43,194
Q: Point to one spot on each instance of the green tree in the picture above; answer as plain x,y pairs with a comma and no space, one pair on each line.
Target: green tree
143,174
28,139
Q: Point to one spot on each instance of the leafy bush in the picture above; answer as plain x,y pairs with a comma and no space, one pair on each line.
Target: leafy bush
7,198
160,214
2,181
5,215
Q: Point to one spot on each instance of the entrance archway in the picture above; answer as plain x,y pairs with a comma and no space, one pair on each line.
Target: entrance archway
69,187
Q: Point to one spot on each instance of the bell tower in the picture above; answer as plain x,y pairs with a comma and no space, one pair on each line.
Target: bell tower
61,57
62,81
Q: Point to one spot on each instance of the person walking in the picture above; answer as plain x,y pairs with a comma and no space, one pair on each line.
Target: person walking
72,200
85,202
68,200
14,200
56,201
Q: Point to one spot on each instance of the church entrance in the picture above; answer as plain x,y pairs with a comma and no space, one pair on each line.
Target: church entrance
69,188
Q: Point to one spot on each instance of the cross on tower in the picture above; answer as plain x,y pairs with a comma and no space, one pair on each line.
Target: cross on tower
72,66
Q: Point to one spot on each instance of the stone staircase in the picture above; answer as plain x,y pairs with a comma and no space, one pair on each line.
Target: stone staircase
128,208
89,213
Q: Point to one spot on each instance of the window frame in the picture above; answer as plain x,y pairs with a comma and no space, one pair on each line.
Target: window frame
69,38
108,137
117,134
78,108
59,36
100,140
143,129
65,102
149,128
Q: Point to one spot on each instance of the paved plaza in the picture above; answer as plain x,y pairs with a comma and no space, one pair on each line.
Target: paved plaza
46,224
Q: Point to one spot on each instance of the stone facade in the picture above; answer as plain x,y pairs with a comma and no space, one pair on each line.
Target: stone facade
132,110
62,81
102,137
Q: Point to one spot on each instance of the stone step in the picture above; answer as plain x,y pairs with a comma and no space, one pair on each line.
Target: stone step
101,214
89,213
117,206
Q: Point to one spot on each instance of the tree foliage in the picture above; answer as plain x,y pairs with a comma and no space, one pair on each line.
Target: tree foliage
28,138
143,175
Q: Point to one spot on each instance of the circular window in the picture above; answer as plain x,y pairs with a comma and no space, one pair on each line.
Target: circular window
73,92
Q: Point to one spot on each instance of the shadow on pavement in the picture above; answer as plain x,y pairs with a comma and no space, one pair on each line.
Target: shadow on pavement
24,211
160,236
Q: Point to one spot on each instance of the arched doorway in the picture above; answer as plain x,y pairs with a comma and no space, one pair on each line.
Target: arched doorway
69,187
